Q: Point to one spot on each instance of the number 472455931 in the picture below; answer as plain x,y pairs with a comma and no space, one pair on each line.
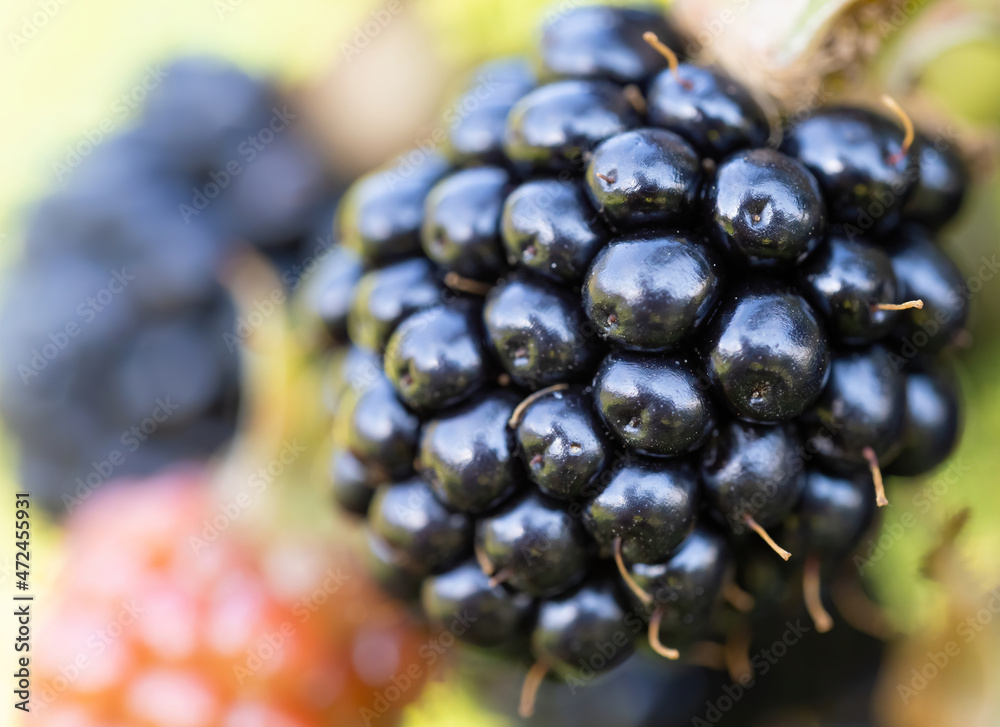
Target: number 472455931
23,535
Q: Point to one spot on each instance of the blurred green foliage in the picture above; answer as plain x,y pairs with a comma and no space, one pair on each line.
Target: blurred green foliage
966,79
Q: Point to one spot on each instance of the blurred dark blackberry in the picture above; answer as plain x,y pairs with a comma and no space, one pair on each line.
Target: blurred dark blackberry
121,347
639,350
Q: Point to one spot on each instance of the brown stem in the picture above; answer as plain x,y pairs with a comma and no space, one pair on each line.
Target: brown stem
501,576
483,560
738,655
918,304
634,96
737,597
529,690
904,118
755,526
654,636
515,416
708,654
962,339
857,609
627,577
466,285
880,498
664,50
812,595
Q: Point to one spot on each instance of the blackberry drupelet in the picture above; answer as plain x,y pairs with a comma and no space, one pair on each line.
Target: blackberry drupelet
461,231
648,292
941,187
436,357
603,43
753,470
586,631
381,214
555,127
476,134
533,545
550,229
408,517
655,405
352,484
562,444
768,354
326,297
538,332
468,456
684,589
386,296
500,612
646,510
382,432
924,272
834,512
863,163
712,111
767,208
858,419
644,178
931,423
851,282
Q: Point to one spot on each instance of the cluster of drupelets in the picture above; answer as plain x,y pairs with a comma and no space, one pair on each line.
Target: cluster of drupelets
615,332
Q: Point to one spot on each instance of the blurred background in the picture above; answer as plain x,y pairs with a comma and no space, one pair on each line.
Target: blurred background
187,369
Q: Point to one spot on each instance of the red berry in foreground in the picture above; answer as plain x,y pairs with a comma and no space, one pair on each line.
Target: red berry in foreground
160,624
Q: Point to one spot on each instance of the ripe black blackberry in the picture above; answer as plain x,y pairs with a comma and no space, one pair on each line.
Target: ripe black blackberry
637,339
121,345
